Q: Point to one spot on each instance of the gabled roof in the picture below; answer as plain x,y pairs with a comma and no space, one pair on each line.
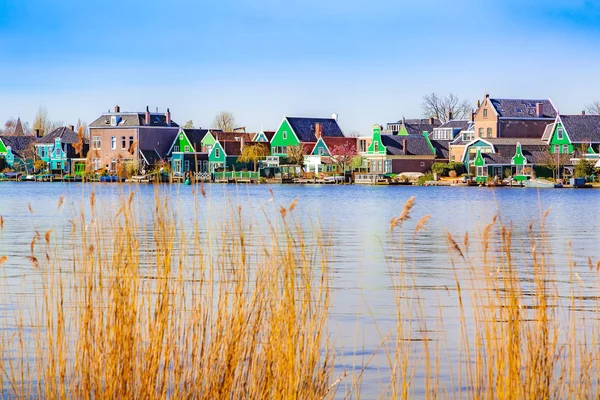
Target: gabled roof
418,126
339,143
195,136
17,143
65,134
308,147
582,128
234,148
223,136
534,154
150,156
132,119
416,145
522,108
268,134
304,128
455,124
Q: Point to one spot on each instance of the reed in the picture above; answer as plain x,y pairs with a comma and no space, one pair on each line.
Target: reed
237,306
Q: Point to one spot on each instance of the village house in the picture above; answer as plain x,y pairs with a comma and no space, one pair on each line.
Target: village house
513,118
328,152
17,151
443,135
225,155
263,136
187,153
294,131
499,158
412,126
142,138
578,135
395,154
63,151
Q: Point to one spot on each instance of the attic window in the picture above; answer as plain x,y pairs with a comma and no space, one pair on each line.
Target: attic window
518,109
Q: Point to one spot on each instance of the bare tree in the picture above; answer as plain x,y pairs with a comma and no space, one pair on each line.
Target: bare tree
41,121
189,125
440,106
295,154
554,161
593,107
224,121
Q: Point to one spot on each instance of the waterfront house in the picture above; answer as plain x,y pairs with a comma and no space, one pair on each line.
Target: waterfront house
225,155
187,153
328,152
63,151
142,138
443,135
499,158
397,154
294,131
17,151
458,144
513,118
578,135
216,134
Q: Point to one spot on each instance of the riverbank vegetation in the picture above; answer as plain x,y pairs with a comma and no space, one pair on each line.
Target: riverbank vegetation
152,307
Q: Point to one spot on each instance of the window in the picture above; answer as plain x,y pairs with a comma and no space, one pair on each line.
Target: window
565,149
284,135
187,149
96,164
481,171
113,143
187,165
321,151
559,133
217,153
422,163
452,158
556,149
96,142
177,166
388,166
123,143
176,149
485,112
489,132
130,143
279,150
363,146
42,151
480,132
376,147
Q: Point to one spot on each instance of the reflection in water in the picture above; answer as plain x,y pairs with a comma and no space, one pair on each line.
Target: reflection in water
365,256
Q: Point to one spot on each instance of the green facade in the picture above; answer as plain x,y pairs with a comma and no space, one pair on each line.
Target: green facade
260,137
208,141
403,131
320,148
284,138
376,147
561,142
182,144
3,149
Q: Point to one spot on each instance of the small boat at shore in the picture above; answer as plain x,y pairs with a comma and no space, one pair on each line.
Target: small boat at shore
538,183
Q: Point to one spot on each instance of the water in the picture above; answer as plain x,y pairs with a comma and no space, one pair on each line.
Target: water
357,221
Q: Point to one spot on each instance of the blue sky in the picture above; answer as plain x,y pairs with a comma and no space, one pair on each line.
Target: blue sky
368,61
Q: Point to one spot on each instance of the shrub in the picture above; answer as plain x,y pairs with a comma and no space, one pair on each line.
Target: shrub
40,165
424,178
583,168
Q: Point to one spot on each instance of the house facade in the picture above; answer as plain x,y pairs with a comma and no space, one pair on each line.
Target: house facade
143,138
293,131
577,135
63,151
412,126
187,154
330,152
395,154
15,148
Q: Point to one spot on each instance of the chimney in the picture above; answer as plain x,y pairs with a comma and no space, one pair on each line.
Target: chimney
431,120
583,112
242,143
472,118
538,110
318,130
404,143
117,109
147,115
72,127
334,116
168,115
449,115
486,95
38,133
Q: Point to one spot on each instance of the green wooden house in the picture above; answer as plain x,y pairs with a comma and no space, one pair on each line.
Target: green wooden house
187,154
293,131
520,159
225,155
576,135
14,149
59,150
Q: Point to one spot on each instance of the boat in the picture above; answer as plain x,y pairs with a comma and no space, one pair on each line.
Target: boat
110,178
538,183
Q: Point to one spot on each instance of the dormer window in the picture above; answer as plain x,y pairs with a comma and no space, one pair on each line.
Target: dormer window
559,133
114,120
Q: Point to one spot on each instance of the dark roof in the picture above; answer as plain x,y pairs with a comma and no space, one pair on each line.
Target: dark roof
17,143
150,156
305,128
195,136
231,147
455,124
223,136
334,143
132,119
308,147
582,128
269,134
504,153
418,126
522,108
65,134
442,149
415,145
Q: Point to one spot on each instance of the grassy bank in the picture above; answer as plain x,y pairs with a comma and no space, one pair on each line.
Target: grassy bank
238,307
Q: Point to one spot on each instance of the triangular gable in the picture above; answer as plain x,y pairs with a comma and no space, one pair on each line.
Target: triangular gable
564,128
2,147
519,158
176,140
320,144
291,129
221,149
472,142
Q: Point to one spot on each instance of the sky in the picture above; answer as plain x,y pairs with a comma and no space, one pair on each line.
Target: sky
368,61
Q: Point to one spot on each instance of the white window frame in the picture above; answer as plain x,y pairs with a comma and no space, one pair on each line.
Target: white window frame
186,149
96,142
284,134
113,142
217,153
176,149
565,149
559,134
123,143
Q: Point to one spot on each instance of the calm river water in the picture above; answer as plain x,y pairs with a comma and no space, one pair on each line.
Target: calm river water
357,219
